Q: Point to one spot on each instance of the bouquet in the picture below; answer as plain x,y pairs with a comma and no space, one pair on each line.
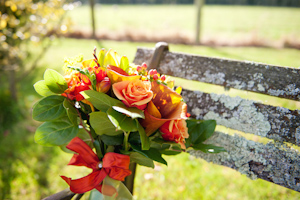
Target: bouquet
110,113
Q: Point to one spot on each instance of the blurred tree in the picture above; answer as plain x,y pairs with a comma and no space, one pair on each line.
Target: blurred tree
23,22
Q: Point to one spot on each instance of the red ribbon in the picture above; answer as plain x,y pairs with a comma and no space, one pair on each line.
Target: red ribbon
114,165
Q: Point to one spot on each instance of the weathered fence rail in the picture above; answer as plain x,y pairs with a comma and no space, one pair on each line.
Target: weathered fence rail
275,161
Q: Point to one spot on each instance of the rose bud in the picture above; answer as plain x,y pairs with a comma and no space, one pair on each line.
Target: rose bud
104,85
175,130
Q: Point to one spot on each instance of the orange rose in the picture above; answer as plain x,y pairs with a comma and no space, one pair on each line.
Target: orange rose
135,93
175,130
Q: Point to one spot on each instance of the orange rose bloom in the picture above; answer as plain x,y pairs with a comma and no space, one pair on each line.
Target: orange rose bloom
175,130
135,93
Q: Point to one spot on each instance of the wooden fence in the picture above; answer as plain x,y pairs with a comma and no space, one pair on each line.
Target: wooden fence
275,161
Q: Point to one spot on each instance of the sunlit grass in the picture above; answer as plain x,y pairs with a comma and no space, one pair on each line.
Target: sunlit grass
218,22
190,178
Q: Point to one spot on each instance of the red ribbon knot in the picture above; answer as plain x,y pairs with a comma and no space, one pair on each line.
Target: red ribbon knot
114,165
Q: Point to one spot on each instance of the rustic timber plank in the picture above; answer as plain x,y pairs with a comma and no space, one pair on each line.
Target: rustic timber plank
248,116
62,195
256,77
272,162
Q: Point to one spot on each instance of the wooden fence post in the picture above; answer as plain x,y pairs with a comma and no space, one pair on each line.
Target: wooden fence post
199,5
92,4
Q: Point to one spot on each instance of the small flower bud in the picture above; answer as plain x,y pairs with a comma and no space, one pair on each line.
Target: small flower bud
144,66
104,85
152,72
163,78
139,68
155,77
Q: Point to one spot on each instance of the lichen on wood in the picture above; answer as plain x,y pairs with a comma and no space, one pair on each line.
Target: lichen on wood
276,123
273,162
256,77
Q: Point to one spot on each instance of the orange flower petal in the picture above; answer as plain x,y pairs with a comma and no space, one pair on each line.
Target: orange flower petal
151,123
152,109
166,100
116,74
168,103
88,63
133,93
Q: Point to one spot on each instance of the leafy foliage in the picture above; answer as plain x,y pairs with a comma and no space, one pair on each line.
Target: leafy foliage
23,22
199,132
56,133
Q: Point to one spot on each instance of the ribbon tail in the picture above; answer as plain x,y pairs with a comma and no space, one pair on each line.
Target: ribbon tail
86,183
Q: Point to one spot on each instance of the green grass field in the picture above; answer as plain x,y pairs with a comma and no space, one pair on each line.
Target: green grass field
220,23
30,171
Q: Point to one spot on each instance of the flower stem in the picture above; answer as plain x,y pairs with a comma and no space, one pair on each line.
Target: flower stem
126,135
81,123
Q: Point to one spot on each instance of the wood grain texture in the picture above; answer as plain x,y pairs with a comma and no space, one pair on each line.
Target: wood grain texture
62,195
275,163
276,123
250,76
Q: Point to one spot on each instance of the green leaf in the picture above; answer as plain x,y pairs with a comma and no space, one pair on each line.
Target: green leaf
102,125
112,140
131,111
49,108
141,159
54,133
42,89
121,121
144,138
98,148
152,153
82,134
71,111
166,147
134,138
100,100
124,63
200,131
55,81
169,152
208,148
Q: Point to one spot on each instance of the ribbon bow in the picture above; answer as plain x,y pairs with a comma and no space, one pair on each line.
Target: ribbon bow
114,165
